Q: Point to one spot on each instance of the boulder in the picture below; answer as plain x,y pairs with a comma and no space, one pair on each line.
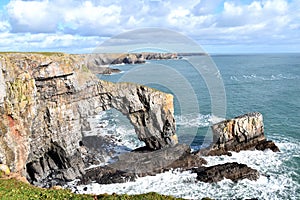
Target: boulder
233,171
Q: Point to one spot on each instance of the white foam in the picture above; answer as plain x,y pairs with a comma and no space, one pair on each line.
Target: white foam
193,120
114,125
120,64
276,180
254,77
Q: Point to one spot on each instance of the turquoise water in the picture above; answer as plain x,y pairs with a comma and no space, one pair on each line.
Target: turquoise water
267,83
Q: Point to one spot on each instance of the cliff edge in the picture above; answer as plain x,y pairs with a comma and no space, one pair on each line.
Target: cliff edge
44,103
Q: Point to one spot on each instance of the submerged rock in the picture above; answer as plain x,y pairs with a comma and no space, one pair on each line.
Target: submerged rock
245,132
45,101
263,145
142,163
135,164
233,171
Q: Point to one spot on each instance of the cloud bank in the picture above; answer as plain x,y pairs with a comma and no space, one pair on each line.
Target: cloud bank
81,25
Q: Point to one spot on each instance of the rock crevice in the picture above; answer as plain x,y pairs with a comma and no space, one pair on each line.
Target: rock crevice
244,132
44,105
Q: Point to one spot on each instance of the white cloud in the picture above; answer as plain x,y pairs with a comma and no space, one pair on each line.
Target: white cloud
32,16
207,7
57,15
276,6
4,26
66,23
179,17
232,10
133,22
89,17
48,42
256,22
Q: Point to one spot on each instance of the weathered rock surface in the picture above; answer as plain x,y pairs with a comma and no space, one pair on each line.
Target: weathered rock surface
44,103
99,62
233,171
244,132
131,165
139,164
103,59
96,149
158,56
104,70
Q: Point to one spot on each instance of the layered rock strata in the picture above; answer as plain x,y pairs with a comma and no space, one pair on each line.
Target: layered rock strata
44,103
99,63
244,132
131,165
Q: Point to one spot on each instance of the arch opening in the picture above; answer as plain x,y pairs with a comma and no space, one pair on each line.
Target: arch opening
110,134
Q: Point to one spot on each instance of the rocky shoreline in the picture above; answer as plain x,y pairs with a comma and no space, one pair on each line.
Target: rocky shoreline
45,105
145,162
99,63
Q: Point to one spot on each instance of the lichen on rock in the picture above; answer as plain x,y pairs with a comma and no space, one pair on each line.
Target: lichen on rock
44,103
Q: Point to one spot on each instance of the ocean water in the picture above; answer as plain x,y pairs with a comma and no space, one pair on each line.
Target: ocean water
267,83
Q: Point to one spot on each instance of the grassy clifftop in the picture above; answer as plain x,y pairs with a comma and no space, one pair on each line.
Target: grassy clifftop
14,189
32,84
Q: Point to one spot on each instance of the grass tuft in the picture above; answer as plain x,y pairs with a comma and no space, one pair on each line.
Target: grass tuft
41,53
11,189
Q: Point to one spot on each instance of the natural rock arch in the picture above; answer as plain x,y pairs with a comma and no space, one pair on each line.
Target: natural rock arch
150,112
46,101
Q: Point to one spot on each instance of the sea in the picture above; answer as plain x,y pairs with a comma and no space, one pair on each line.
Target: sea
208,89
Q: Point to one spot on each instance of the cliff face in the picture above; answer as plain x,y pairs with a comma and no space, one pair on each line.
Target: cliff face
45,101
240,133
100,63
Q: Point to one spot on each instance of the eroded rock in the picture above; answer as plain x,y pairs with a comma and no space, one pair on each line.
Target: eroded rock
233,171
245,132
100,62
150,112
44,107
135,164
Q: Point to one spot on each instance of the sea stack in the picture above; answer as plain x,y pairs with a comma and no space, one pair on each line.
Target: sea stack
245,132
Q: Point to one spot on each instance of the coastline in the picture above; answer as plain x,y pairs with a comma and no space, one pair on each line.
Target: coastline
67,72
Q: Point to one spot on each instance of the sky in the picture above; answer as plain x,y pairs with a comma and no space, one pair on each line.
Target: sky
218,26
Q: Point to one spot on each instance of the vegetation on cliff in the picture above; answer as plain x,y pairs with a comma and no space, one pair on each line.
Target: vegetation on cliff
14,189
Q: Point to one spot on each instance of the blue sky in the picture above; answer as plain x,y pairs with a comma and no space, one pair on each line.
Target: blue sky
219,26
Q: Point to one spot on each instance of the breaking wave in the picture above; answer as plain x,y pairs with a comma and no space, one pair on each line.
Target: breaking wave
277,180
254,77
197,120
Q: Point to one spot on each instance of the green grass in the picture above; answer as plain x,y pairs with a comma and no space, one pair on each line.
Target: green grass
42,53
13,189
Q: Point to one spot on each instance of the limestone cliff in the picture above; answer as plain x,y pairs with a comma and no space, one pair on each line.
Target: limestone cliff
99,63
240,133
44,103
244,132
